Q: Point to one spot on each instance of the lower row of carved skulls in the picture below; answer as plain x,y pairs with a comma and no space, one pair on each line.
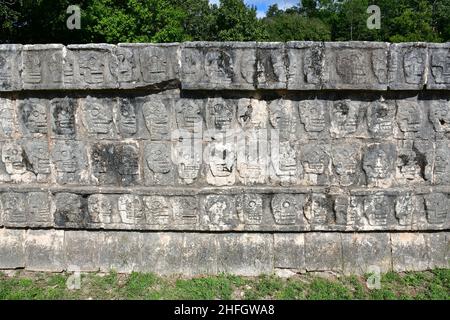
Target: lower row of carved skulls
260,211
245,161
160,117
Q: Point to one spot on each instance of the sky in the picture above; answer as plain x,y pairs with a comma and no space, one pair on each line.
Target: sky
262,5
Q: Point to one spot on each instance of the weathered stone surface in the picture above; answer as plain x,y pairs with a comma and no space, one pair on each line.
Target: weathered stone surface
363,251
409,252
289,251
145,65
245,254
44,250
407,66
439,249
323,252
10,66
305,65
439,68
271,63
355,65
42,66
237,157
12,250
82,250
218,65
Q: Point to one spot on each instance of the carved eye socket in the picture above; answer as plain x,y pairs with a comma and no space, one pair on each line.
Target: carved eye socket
314,110
64,153
15,152
286,204
125,113
35,113
95,111
252,204
63,112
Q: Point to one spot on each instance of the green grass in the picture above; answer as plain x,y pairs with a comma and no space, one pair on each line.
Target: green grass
433,284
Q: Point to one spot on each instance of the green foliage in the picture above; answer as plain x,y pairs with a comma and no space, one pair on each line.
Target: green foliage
113,21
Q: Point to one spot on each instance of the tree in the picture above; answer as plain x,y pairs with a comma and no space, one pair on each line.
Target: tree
237,22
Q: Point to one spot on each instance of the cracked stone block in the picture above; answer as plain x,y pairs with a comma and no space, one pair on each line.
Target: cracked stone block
219,212
10,66
439,249
356,65
42,66
162,253
323,252
12,251
8,119
289,251
90,66
44,250
146,65
158,166
120,251
97,117
62,115
218,65
33,117
20,209
409,252
199,254
82,250
115,163
407,66
69,159
305,65
24,161
245,254
271,63
439,66
347,164
363,251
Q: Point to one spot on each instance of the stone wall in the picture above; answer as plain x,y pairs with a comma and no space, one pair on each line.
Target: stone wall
211,157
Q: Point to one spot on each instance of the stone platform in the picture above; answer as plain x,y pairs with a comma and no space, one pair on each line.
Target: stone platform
204,157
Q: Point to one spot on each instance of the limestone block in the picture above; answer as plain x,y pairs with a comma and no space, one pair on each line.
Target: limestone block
44,250
218,65
409,252
356,65
365,250
271,62
289,251
245,254
162,253
120,251
62,117
305,65
42,66
323,252
69,161
146,65
10,66
8,119
82,250
439,249
407,66
33,117
115,163
25,161
90,66
32,209
12,250
96,117
158,166
439,66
